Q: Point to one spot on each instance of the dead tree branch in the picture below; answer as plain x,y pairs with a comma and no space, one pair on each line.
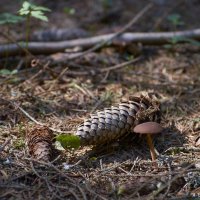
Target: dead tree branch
150,38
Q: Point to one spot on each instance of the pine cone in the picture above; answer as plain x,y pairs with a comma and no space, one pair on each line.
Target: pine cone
39,142
112,123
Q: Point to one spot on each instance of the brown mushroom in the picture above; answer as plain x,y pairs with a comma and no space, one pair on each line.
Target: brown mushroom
149,128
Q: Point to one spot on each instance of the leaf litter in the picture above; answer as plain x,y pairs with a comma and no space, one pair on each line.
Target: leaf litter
119,170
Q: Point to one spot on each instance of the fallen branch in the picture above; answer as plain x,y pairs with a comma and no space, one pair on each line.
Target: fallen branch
105,42
10,49
151,38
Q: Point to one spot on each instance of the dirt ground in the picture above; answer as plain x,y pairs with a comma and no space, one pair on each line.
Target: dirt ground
123,169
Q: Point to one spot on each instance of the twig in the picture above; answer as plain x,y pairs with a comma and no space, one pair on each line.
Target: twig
151,38
26,51
38,73
155,193
2,147
50,165
41,177
164,15
106,41
74,194
39,123
27,114
93,72
82,193
118,66
125,28
20,46
168,162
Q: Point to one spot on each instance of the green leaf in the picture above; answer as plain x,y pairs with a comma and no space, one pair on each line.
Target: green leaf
34,11
93,158
26,5
24,12
8,18
196,119
168,46
192,41
70,11
25,8
121,190
179,39
40,8
107,3
39,15
175,19
69,141
5,72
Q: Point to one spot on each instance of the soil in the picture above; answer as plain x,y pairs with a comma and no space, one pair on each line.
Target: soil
123,169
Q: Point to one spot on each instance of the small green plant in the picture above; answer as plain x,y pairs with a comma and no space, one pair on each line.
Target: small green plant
121,190
196,119
107,97
107,4
175,19
68,142
177,39
19,143
7,72
69,11
8,18
30,10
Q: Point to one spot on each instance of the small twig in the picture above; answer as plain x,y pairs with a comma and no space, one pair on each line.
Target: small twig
50,165
118,66
82,193
92,192
38,73
27,114
2,147
39,123
48,183
155,193
121,169
27,52
74,194
41,177
182,149
21,47
83,90
168,161
104,70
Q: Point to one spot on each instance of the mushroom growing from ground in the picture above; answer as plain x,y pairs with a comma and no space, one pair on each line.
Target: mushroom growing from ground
149,128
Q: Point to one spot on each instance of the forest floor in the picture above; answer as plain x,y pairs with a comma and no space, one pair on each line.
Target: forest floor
122,170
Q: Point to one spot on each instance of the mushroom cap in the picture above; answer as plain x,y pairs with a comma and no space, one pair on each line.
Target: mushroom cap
148,128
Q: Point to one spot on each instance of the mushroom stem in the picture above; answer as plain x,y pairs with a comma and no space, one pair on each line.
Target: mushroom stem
151,147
